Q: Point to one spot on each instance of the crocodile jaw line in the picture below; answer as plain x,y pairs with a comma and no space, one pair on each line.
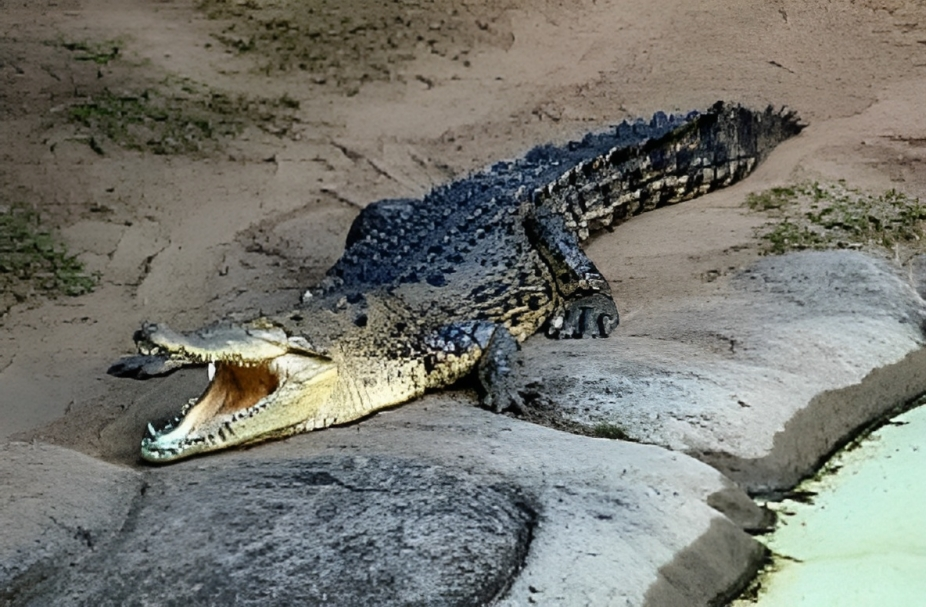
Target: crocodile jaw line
243,403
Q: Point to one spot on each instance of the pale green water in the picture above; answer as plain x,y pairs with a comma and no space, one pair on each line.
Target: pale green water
863,540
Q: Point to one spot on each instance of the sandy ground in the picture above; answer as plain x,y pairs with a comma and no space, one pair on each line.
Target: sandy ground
414,97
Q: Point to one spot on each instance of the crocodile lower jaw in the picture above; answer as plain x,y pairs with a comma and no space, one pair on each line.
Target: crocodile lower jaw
244,402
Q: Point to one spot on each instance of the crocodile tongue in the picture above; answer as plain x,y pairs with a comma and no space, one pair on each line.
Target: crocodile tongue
231,389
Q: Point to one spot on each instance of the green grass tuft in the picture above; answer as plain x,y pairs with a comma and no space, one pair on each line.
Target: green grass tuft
192,120
159,123
612,431
33,261
834,216
775,198
100,53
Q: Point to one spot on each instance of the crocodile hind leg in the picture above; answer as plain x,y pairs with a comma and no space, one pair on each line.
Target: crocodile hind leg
587,308
487,350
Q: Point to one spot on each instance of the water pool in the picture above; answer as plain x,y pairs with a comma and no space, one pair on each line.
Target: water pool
861,539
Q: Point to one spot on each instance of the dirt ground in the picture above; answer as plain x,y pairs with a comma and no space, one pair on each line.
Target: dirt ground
206,159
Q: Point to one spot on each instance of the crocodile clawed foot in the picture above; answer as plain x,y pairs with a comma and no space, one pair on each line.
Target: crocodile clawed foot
499,373
503,399
592,316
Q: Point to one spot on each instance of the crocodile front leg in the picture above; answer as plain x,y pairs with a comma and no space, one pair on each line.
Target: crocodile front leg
483,347
587,308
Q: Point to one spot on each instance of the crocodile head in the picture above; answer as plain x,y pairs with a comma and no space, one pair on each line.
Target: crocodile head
262,384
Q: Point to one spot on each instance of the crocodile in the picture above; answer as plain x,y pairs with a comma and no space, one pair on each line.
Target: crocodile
433,290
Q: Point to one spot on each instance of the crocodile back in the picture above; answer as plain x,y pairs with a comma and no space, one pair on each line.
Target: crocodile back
593,184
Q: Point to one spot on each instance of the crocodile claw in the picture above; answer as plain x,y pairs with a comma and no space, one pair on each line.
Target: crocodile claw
591,316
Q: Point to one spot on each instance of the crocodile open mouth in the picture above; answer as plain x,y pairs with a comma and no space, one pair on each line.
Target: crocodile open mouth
248,398
233,392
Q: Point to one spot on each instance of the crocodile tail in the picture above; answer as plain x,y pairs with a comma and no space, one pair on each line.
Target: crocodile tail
707,151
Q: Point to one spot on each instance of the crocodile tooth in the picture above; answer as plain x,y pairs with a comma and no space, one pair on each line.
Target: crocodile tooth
151,430
211,370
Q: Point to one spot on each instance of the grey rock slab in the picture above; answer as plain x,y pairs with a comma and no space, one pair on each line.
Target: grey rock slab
611,517
56,507
340,530
787,361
